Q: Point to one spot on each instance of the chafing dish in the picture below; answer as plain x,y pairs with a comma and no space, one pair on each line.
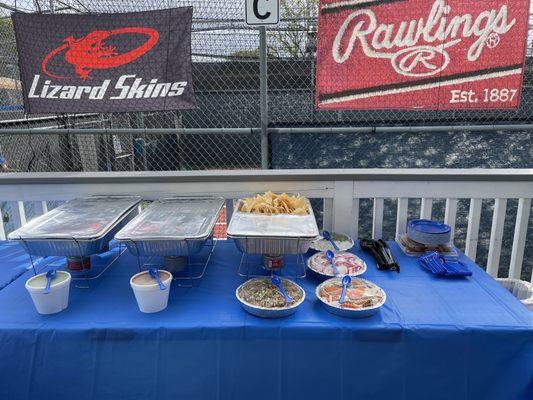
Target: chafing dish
175,226
273,234
79,227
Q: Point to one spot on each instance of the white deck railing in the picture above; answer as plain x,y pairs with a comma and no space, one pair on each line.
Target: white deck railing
341,191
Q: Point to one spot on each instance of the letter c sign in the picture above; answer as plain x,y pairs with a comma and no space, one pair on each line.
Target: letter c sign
262,12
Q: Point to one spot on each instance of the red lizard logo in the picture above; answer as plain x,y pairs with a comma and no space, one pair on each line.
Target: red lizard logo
90,52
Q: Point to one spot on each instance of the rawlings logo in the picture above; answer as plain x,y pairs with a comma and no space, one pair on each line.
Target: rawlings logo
91,52
400,43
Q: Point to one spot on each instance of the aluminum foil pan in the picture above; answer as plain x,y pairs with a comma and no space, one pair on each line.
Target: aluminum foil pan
80,227
273,246
337,309
272,234
265,312
175,226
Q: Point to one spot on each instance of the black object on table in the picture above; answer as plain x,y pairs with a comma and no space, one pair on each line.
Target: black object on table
381,252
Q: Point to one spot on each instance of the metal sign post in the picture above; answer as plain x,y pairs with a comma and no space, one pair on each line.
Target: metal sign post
263,87
261,13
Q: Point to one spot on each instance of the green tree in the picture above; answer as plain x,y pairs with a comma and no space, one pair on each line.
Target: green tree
295,36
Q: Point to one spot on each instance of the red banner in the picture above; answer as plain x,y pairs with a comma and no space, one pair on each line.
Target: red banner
420,54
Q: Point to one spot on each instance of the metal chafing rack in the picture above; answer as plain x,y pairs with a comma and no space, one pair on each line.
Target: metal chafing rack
80,227
275,237
175,228
77,230
172,227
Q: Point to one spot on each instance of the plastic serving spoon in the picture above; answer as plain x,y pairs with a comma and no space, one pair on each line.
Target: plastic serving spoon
331,258
154,273
276,281
346,282
327,236
50,275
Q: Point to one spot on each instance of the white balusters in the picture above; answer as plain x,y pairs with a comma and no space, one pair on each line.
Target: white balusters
450,215
343,212
472,233
2,228
355,208
327,220
401,217
426,208
377,219
519,240
18,215
496,235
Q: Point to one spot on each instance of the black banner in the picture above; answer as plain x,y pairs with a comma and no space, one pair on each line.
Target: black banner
79,63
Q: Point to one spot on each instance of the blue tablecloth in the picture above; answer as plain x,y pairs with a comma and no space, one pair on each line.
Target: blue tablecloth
14,261
433,339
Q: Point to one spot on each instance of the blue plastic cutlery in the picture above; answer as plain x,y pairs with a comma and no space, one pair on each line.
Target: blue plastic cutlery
346,282
327,236
277,281
331,258
154,273
444,266
50,275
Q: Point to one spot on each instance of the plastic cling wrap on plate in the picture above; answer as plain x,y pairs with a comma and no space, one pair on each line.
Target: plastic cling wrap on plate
346,263
363,298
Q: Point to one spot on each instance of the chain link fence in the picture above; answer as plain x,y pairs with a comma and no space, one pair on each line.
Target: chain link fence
226,79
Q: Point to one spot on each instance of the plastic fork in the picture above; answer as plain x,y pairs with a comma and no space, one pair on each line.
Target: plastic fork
276,281
331,258
346,282
328,237
154,273
50,275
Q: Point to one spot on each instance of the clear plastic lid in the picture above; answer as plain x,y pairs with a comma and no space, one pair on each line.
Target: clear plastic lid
273,225
174,219
83,218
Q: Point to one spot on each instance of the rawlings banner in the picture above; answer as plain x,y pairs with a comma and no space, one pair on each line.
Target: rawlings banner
423,54
78,63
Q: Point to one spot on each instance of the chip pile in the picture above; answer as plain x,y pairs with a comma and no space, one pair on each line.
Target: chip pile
272,203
